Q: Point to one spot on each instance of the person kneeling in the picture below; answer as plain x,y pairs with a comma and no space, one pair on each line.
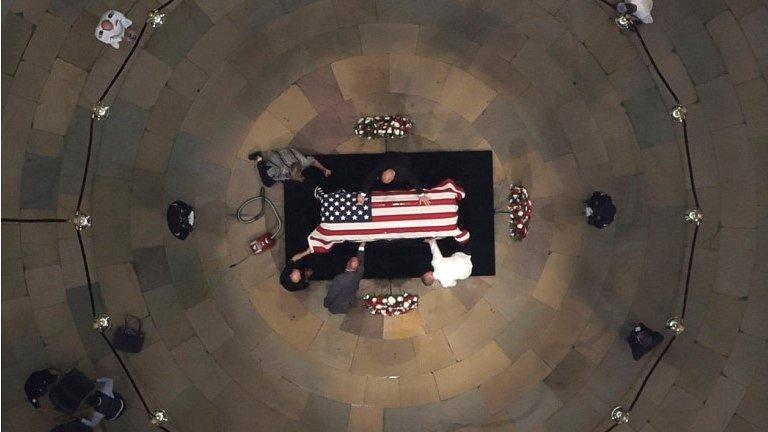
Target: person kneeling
447,270
342,293
106,404
295,276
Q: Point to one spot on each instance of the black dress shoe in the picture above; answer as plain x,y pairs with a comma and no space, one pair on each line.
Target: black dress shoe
255,155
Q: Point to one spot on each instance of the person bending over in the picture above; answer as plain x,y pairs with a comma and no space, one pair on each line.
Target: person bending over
639,9
106,404
112,27
295,276
283,165
392,171
447,270
342,292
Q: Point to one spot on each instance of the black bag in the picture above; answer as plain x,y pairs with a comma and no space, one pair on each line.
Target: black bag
129,337
70,390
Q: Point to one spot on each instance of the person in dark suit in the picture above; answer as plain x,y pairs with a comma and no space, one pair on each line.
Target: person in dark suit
295,276
392,171
342,292
599,210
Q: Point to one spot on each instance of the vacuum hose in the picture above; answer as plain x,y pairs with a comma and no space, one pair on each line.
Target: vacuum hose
246,219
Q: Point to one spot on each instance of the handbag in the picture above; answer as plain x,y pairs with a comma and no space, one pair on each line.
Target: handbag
129,337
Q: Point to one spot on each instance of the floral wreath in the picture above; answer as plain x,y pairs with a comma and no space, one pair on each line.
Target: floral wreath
388,126
390,304
520,211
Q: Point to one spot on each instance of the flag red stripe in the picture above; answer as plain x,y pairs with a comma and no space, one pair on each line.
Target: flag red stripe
412,203
326,232
417,216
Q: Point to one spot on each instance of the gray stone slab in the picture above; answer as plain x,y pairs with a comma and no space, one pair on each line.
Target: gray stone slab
649,118
720,103
500,125
325,414
446,46
212,183
16,34
697,50
186,155
68,10
538,113
525,328
533,408
30,351
81,48
354,12
402,420
179,35
147,189
180,185
151,267
79,303
40,182
568,377
186,272
122,133
168,113
465,409
334,45
250,17
734,48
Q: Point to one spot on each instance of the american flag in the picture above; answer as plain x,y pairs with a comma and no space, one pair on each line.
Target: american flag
387,216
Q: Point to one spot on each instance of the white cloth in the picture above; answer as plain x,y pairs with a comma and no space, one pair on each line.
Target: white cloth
119,24
643,12
448,270
105,386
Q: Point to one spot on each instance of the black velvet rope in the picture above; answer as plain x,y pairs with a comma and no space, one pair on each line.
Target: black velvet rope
695,194
22,220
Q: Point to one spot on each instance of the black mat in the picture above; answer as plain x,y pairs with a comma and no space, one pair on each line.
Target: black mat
472,170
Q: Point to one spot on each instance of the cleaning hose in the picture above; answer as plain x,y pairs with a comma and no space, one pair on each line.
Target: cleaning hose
246,219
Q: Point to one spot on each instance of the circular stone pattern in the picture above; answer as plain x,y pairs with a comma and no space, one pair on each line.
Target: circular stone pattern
564,100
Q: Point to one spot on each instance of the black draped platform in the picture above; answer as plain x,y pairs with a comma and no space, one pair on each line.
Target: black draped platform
472,170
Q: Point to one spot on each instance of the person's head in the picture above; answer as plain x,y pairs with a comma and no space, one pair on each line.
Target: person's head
626,8
387,176
295,276
428,278
353,264
93,400
296,174
106,25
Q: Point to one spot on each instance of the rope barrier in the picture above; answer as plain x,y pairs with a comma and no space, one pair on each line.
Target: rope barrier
87,166
633,29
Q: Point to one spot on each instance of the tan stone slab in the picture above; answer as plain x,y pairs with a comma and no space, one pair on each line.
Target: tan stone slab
382,391
333,347
359,76
214,102
472,371
209,324
559,335
596,339
479,327
465,94
266,133
187,79
200,367
554,280
292,109
157,370
45,285
145,80
341,386
438,308
19,320
403,326
418,390
394,38
415,75
148,227
285,314
432,352
216,9
522,376
366,419
381,357
46,41
356,145
120,290
313,19
59,97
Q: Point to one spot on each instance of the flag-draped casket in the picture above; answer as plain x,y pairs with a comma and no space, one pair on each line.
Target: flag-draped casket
387,216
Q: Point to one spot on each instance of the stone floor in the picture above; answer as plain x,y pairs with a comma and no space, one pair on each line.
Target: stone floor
567,103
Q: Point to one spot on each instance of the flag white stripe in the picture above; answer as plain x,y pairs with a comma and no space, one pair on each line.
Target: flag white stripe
345,226
383,211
